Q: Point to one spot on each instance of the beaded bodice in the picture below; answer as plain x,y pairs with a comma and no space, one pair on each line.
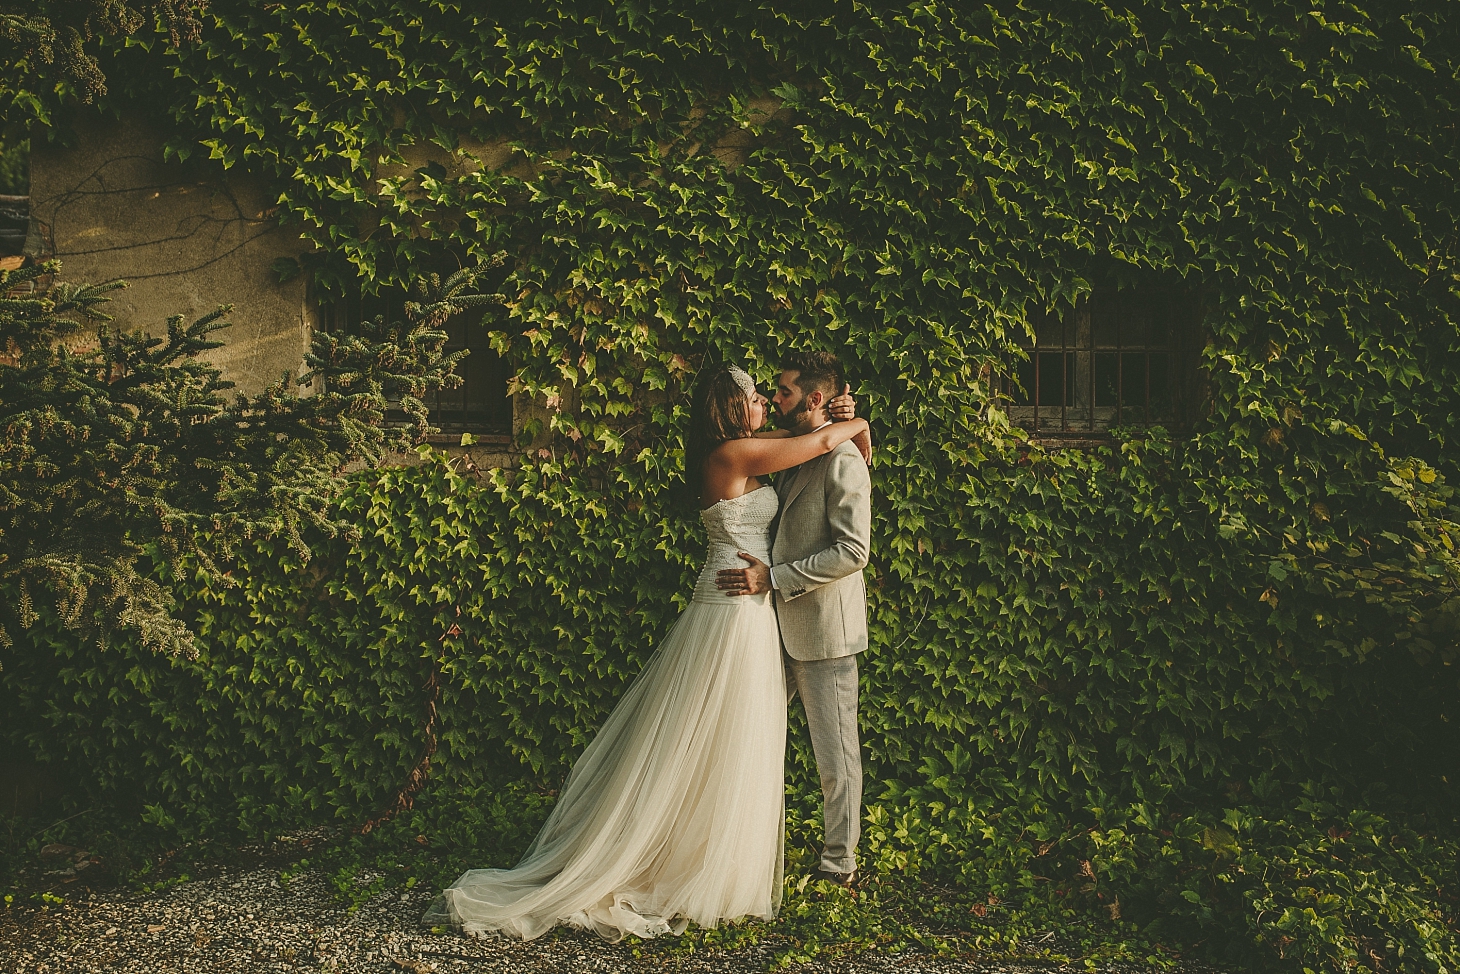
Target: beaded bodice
735,525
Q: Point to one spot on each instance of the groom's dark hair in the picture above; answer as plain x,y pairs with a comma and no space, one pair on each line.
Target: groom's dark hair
821,371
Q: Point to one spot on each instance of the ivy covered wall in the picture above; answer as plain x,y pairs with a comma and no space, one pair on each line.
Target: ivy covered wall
1191,619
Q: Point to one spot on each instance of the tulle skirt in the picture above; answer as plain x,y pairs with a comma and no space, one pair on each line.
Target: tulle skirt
675,812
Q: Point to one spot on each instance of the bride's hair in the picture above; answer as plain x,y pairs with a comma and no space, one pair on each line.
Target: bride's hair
720,412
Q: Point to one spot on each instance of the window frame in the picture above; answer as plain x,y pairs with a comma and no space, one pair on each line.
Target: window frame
15,220
355,305
1079,418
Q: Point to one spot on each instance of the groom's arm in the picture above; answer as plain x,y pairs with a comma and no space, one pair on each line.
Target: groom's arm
848,489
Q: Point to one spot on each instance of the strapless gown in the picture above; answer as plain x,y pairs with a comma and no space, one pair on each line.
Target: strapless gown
676,810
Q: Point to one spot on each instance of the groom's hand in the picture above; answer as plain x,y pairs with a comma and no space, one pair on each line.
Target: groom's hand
745,581
843,407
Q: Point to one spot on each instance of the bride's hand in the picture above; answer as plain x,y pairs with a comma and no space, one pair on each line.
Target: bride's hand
843,407
863,442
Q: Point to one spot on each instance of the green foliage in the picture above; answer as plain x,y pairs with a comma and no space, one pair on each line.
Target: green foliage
539,602
128,444
1202,624
1410,579
1339,888
14,167
45,44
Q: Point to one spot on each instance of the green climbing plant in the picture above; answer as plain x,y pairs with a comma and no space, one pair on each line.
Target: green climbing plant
117,446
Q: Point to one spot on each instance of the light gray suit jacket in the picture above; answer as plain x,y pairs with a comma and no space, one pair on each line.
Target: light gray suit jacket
820,549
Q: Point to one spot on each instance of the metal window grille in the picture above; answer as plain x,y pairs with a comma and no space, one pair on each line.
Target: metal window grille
480,404
1119,358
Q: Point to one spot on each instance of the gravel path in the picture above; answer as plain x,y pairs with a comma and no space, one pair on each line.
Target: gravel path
245,920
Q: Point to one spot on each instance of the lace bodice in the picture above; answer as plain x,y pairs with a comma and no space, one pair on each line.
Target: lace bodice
735,525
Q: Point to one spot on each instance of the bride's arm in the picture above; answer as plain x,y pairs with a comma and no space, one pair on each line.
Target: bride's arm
757,456
862,441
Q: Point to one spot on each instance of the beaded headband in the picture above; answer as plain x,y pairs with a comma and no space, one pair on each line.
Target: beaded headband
743,380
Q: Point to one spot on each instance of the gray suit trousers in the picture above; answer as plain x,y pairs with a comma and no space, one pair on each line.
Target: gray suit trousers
828,689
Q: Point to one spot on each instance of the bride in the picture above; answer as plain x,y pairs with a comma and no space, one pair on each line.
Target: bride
675,811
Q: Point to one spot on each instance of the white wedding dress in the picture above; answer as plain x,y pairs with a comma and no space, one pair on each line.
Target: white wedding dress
676,810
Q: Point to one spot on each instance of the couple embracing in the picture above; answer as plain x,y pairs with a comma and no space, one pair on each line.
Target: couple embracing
676,810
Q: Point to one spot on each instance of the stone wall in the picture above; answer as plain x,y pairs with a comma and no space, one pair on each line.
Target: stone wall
185,236
187,239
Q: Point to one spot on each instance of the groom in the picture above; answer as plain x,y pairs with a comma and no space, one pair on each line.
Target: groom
819,551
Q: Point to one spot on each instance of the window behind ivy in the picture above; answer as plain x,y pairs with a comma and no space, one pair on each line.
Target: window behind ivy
1118,358
480,404
14,223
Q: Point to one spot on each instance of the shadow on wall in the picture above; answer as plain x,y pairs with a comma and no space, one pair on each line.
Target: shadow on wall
186,238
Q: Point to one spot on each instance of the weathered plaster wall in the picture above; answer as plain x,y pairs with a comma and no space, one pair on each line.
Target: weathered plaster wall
186,238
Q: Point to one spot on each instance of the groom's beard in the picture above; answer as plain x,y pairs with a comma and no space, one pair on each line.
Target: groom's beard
794,418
